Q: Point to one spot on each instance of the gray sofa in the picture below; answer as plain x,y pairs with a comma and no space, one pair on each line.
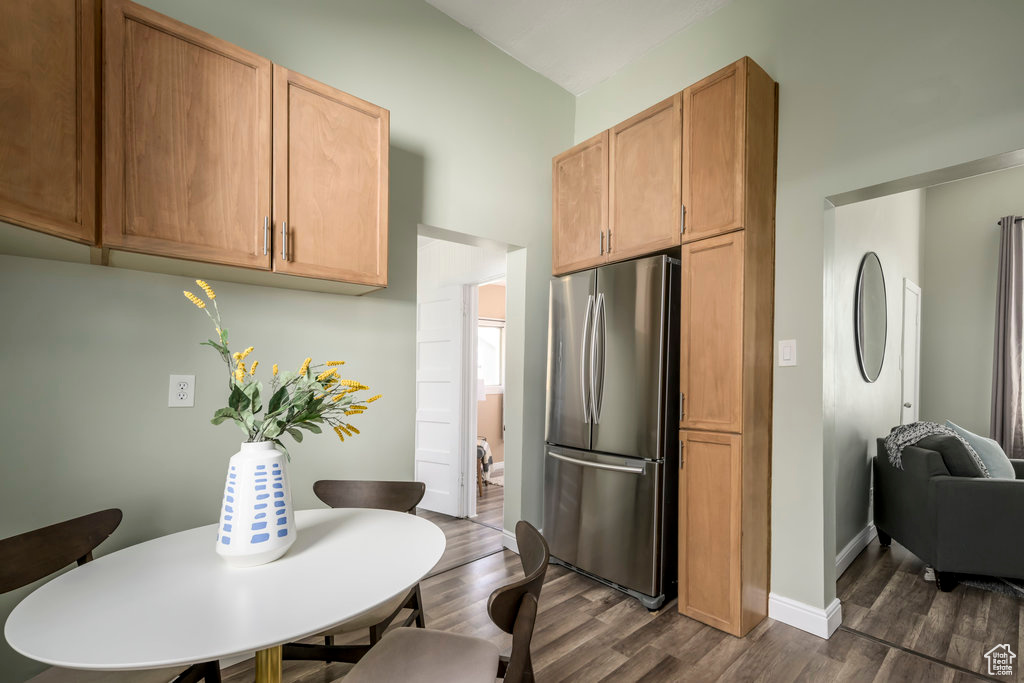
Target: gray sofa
941,509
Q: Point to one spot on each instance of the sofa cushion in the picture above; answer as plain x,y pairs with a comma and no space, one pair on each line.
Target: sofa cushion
955,456
990,452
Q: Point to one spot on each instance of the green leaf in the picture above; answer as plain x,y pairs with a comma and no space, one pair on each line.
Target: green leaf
273,429
310,427
277,399
238,400
225,414
296,434
257,406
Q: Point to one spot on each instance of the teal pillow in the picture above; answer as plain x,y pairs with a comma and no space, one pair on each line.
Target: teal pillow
990,452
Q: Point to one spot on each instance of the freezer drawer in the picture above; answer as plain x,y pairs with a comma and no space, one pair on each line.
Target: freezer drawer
602,514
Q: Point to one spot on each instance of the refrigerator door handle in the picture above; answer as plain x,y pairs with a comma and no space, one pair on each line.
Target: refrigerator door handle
583,360
598,394
597,465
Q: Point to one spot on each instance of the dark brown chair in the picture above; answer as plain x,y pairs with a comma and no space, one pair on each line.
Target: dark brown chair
34,555
437,656
400,496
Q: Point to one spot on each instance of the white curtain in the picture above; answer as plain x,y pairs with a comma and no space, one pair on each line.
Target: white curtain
1007,424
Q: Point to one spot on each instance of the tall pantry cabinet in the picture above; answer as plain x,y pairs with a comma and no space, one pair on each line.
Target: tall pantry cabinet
694,175
726,346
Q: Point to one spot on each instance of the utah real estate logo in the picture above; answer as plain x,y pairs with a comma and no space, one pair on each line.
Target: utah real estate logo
1000,660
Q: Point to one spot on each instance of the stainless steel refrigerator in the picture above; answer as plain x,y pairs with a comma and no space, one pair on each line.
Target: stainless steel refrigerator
611,454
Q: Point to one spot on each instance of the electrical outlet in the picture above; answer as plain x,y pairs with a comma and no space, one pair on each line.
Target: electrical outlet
182,392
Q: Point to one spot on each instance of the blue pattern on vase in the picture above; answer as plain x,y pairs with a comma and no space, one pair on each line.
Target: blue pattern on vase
260,538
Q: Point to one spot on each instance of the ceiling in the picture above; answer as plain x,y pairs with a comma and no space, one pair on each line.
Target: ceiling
576,43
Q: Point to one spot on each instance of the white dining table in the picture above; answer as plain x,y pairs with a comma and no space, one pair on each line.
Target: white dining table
173,601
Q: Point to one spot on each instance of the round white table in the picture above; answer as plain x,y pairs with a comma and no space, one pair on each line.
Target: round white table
173,601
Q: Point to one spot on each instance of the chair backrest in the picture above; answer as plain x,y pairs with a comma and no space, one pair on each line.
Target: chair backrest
513,608
32,555
401,496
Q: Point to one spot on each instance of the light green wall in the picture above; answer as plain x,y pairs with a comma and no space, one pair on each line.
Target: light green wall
86,350
869,91
891,227
961,260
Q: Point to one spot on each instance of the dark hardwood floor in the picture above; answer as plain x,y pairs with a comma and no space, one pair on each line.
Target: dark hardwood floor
885,596
490,506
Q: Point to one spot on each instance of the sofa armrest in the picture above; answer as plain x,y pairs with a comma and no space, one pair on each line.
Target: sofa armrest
978,525
1018,468
903,507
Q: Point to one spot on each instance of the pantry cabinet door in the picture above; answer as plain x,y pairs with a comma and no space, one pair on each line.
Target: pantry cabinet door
330,182
48,116
187,141
713,152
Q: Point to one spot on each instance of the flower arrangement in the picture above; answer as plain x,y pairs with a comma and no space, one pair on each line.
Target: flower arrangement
303,400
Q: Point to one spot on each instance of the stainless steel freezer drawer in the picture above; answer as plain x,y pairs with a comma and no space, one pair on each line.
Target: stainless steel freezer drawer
601,514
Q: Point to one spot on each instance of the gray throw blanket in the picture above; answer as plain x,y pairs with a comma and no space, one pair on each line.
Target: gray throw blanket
907,435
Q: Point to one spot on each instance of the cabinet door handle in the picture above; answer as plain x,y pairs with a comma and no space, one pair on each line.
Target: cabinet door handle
602,243
284,240
266,233
609,241
682,218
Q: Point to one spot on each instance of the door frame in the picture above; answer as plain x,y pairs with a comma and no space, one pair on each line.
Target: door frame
910,286
468,411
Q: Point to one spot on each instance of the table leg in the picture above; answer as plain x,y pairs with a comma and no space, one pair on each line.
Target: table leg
268,665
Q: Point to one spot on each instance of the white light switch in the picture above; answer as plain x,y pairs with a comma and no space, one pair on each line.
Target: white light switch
182,392
787,352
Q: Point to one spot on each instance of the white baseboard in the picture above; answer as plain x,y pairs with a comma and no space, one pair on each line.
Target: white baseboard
848,554
816,621
508,539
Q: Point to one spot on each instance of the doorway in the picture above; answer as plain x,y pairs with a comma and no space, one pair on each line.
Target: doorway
460,377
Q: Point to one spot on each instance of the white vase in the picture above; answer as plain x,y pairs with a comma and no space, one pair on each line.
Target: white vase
257,523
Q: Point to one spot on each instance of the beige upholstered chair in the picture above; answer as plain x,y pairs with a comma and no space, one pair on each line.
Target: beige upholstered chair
34,555
401,496
429,656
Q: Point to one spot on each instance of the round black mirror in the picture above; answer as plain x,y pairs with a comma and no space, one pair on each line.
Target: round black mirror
871,316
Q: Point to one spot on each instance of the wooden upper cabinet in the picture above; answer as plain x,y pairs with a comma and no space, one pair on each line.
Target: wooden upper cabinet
711,333
48,116
187,141
713,168
710,500
579,199
645,161
330,182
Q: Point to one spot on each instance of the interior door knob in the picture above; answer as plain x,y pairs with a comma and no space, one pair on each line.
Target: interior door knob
906,405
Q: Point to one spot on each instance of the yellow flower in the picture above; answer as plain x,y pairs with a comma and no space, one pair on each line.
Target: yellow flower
236,355
252,370
373,398
338,398
332,363
195,299
240,372
337,431
344,429
326,373
246,352
305,366
353,428
207,288
274,369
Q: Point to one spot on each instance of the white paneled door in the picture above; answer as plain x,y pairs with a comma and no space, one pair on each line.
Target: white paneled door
439,369
910,359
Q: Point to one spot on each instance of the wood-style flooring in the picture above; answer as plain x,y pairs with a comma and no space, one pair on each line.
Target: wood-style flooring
490,506
896,626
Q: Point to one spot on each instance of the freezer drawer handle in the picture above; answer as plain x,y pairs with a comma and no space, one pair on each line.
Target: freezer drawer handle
598,465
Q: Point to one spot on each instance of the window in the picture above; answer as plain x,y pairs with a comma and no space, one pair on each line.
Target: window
490,353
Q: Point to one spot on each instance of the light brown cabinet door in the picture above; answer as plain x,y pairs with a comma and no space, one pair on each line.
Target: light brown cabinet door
48,116
579,197
644,193
330,182
711,333
710,482
187,141
713,159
